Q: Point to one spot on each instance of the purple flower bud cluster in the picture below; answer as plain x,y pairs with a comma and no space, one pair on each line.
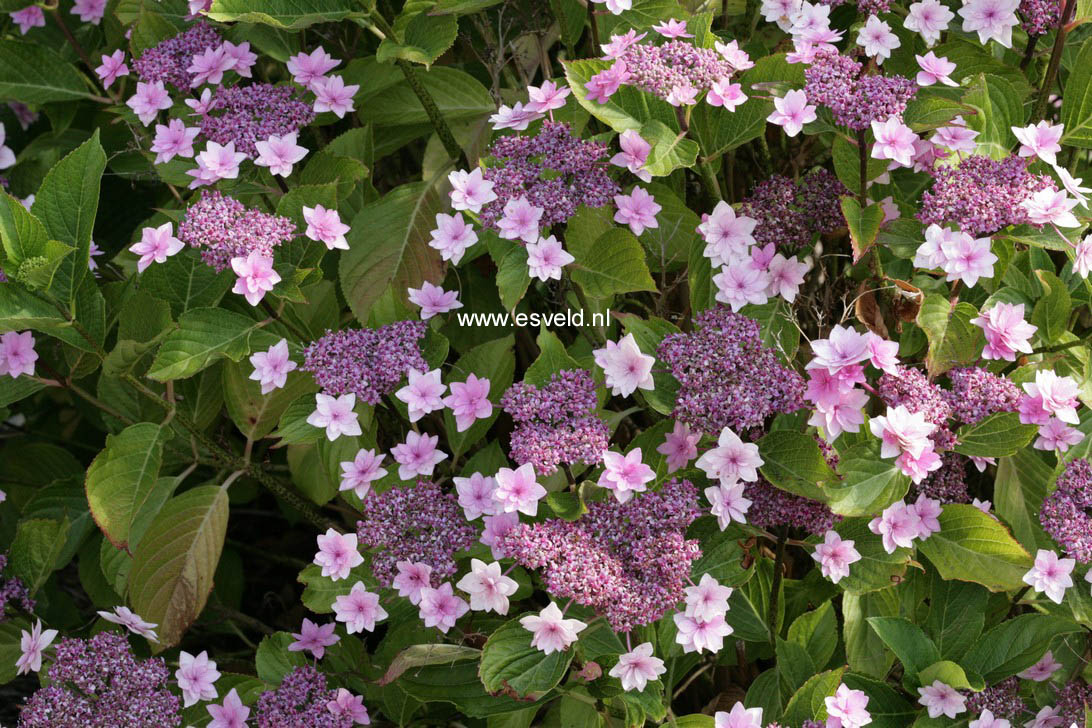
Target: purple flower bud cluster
947,483
628,561
981,195
420,524
249,114
170,60
99,683
3,278
977,393
1065,514
835,81
913,390
1039,16
1002,699
553,169
790,213
873,7
367,362
727,377
300,700
13,592
772,507
1072,700
223,228
658,69
556,423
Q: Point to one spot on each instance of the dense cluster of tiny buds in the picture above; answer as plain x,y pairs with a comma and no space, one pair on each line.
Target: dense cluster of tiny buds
223,228
835,81
977,393
249,114
1072,700
553,169
630,562
790,214
169,61
556,423
659,69
418,523
300,700
873,7
1039,16
727,378
772,507
948,483
13,593
1002,699
981,195
367,362
913,390
99,683
1065,513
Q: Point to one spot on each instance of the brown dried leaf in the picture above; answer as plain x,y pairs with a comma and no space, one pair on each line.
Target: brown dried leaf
867,309
907,300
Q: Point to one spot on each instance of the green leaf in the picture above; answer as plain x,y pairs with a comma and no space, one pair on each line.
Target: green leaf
908,641
10,650
458,95
494,360
25,241
877,569
203,336
173,569
868,485
388,246
817,632
864,649
628,108
121,483
956,615
670,149
319,592
273,660
1018,491
718,130
254,413
951,675
847,164
293,429
460,685
32,73
462,7
186,283
999,108
36,549
430,654
888,708
808,703
722,552
864,224
1077,100
1015,645
509,662
513,277
614,263
794,462
973,546
67,203
1052,311
997,435
425,38
953,339
552,359
286,14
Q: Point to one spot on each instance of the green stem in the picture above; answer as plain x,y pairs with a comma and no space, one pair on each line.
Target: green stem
231,461
862,155
712,184
454,151
775,588
1055,61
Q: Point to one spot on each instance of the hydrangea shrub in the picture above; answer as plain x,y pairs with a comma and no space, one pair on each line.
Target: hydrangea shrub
509,363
